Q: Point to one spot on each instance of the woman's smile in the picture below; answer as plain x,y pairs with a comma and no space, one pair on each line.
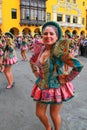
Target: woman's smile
49,36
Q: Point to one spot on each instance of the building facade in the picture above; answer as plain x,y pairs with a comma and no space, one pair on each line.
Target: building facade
70,14
27,16
22,16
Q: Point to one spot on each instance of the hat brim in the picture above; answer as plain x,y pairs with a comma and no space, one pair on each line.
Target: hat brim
9,34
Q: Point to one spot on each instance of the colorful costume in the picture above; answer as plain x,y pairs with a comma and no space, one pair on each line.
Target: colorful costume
9,55
48,88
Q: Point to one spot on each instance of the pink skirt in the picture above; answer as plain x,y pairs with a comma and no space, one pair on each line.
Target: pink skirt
10,61
52,95
24,47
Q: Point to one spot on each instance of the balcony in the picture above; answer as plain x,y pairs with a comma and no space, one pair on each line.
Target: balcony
74,25
31,22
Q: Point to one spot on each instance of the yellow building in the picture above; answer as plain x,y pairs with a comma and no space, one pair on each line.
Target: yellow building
22,16
70,14
27,16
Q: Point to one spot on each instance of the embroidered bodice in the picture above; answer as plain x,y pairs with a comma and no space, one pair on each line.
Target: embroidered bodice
9,52
51,72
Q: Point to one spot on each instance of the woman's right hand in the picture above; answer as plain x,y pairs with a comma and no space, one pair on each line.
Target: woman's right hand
36,73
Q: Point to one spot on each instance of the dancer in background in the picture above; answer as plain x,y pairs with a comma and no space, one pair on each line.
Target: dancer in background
9,59
24,48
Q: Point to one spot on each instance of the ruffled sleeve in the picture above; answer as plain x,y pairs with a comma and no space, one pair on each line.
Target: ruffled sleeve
61,51
33,60
61,47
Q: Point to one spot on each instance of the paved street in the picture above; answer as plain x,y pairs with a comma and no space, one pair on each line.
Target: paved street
17,109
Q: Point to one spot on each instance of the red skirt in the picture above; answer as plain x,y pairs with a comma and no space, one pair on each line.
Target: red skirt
53,95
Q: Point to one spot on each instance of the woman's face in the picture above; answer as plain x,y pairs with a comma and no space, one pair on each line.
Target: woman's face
49,36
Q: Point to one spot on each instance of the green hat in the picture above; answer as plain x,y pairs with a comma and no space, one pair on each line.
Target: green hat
69,34
36,34
9,34
55,24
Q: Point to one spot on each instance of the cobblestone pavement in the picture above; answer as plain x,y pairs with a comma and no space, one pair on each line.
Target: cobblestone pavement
17,109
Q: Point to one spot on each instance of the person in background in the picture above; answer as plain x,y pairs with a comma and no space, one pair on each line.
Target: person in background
24,48
35,39
82,48
53,86
19,41
85,46
29,42
9,59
